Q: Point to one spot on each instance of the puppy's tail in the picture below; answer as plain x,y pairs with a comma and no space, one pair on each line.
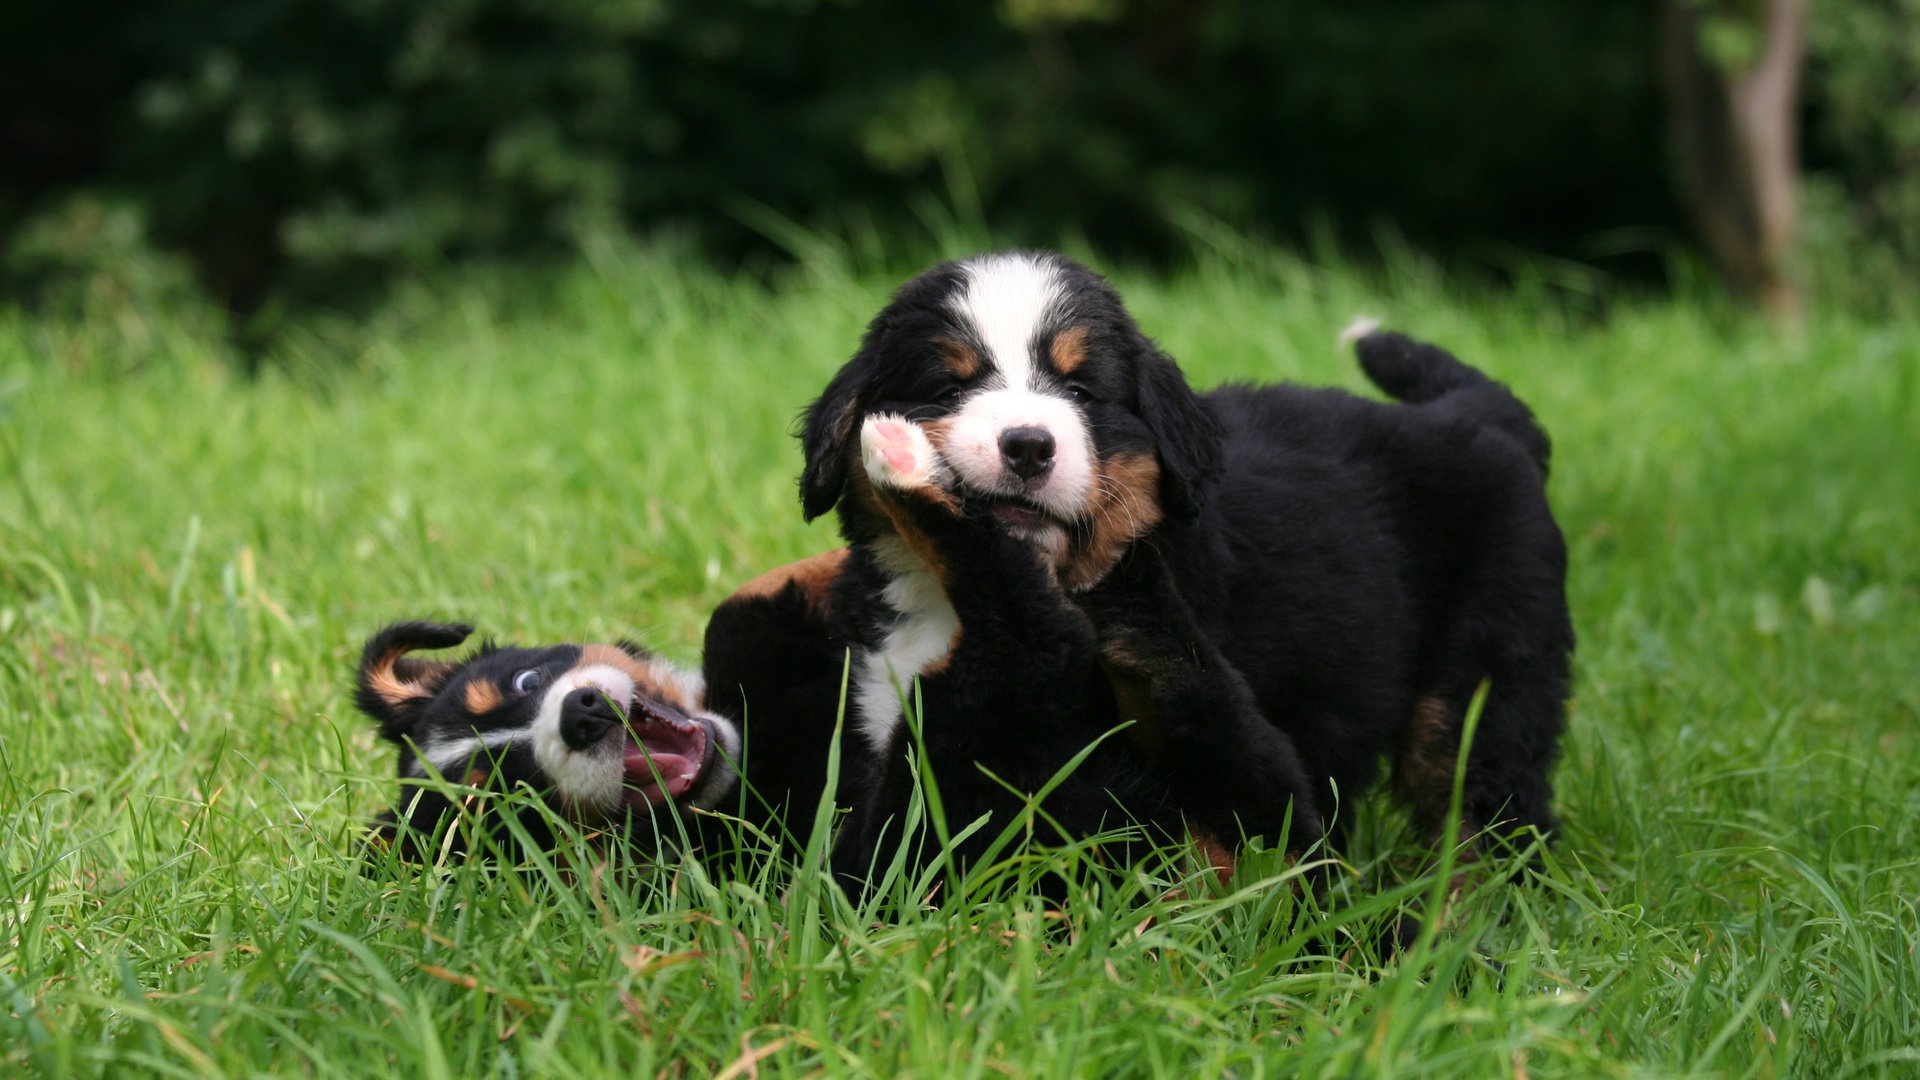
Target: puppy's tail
1415,372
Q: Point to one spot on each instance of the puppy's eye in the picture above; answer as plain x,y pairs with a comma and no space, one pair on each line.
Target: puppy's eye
1077,392
950,395
528,681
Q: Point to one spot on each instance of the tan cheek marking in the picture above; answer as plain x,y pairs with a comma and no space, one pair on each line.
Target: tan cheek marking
483,697
959,359
1069,349
937,432
1125,506
814,576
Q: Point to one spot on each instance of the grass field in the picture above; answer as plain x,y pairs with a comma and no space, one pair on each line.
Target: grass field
189,559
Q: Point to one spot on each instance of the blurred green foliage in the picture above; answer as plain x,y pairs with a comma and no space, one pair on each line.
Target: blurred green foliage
312,148
1864,106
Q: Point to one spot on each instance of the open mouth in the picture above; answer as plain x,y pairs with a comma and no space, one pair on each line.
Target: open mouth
665,755
1018,513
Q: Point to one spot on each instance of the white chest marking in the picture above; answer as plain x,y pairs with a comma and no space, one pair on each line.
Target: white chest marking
922,636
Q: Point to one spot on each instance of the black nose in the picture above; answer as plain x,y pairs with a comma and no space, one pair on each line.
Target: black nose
1028,450
585,716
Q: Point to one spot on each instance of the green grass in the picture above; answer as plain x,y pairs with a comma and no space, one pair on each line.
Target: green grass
188,560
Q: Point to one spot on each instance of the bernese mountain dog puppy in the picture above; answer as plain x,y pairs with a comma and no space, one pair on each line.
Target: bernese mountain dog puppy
1049,532
598,730
620,742
608,736
1034,678
1265,591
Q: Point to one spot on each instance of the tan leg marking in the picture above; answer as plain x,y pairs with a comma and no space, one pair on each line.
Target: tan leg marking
814,575
1423,769
1219,856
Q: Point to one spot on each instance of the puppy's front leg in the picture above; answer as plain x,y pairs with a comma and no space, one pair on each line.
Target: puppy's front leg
999,585
1007,696
1232,770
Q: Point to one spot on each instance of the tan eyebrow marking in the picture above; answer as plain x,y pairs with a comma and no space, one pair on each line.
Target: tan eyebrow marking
1069,349
483,697
959,358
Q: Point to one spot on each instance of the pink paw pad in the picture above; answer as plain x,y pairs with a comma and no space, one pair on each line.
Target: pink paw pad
898,454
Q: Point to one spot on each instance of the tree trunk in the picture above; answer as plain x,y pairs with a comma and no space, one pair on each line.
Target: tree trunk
1736,132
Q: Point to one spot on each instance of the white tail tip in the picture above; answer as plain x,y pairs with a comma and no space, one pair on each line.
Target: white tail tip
1357,329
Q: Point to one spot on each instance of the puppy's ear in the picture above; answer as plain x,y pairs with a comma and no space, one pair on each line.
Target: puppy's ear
830,421
1185,434
392,688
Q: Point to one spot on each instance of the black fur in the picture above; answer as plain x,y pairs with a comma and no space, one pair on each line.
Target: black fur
1186,435
468,730
1321,585
449,805
1332,580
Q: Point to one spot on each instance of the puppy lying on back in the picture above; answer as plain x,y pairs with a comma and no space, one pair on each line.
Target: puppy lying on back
612,738
1286,586
608,736
600,730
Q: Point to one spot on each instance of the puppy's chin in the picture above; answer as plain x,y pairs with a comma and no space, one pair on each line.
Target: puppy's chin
1023,520
1047,537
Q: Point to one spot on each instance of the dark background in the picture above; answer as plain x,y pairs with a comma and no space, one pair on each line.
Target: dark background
302,150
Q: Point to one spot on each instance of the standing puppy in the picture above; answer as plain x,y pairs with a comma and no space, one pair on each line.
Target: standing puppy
1339,574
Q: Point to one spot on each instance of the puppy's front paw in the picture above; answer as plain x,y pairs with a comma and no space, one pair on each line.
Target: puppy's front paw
899,457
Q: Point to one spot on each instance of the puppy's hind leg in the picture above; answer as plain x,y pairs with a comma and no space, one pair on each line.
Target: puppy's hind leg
1509,627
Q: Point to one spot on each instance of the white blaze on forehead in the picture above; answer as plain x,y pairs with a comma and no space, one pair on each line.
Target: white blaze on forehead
584,778
1007,302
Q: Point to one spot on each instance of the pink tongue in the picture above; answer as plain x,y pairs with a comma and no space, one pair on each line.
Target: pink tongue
666,769
642,765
